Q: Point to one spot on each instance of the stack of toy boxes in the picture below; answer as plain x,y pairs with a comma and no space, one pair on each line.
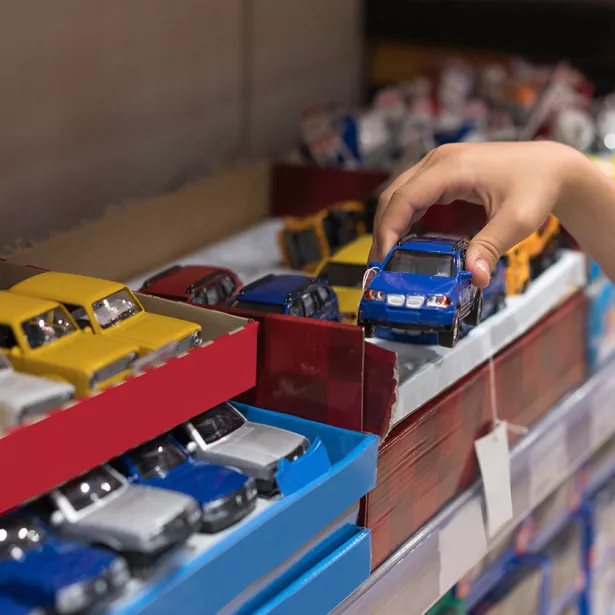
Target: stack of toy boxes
429,457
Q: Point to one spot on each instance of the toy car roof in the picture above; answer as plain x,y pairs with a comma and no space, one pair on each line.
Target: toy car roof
182,279
17,308
67,287
276,288
432,243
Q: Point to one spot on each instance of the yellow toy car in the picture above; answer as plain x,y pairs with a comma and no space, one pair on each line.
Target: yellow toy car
344,271
528,259
111,310
39,337
306,241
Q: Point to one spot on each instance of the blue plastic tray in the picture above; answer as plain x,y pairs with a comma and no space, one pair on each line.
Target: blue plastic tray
204,583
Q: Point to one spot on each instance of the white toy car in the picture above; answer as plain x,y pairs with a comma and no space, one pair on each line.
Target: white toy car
24,396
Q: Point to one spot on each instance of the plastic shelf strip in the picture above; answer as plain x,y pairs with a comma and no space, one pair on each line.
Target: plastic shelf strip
411,580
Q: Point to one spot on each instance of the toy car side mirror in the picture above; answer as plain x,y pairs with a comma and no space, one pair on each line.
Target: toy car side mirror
375,265
192,447
57,518
465,275
15,351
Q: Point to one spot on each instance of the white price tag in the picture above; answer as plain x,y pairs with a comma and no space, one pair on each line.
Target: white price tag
547,464
494,462
462,544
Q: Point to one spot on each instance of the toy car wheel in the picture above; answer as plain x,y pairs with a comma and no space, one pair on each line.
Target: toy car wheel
449,339
474,317
370,329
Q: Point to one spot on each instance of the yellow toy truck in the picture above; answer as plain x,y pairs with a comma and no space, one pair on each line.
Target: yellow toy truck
528,259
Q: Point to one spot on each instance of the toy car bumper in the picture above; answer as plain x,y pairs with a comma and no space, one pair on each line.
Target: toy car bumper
426,319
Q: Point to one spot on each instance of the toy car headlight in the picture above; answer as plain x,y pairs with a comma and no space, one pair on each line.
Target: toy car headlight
197,338
374,295
119,572
72,598
438,301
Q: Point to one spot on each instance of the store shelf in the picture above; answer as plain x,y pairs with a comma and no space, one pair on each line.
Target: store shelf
449,546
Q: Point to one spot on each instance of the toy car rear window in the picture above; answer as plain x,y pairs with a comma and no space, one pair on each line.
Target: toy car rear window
157,457
344,274
17,537
421,263
255,306
217,423
86,490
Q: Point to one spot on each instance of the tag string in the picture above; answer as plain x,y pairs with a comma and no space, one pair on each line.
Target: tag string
515,429
366,277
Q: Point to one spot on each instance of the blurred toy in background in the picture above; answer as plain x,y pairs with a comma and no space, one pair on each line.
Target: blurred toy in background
512,100
306,241
292,295
194,284
344,271
422,285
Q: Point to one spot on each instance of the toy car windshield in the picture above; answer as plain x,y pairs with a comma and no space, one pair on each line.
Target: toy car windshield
421,263
113,309
157,458
47,327
217,423
90,488
18,536
270,308
343,274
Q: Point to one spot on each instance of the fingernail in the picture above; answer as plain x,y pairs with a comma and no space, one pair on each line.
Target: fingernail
483,265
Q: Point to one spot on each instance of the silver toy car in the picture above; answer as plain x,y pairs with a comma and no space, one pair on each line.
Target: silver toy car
24,396
102,508
222,435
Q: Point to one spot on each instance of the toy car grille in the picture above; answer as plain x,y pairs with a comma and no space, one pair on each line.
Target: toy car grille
415,301
184,345
42,407
113,369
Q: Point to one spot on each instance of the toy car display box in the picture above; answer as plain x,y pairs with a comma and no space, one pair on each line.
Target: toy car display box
150,401
601,321
323,557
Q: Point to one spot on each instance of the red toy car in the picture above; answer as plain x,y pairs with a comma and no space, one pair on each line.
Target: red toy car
195,284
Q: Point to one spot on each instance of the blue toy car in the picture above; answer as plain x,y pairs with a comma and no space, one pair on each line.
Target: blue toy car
295,295
422,285
39,570
225,495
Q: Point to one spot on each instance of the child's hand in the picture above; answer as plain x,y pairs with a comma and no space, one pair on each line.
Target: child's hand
518,184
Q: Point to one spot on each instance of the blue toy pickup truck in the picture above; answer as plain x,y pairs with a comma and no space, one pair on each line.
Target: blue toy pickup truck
295,295
422,285
39,570
226,496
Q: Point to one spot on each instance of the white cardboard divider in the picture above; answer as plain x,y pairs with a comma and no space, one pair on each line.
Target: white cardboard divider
426,371
398,586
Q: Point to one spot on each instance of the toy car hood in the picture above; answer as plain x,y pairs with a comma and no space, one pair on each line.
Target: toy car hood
204,482
18,390
259,444
410,284
80,351
136,512
152,331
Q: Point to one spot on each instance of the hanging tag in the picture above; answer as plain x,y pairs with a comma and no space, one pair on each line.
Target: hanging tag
494,461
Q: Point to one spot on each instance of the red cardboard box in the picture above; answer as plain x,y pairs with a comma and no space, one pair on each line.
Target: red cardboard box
429,458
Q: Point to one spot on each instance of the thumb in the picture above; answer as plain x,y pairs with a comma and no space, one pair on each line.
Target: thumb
500,234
